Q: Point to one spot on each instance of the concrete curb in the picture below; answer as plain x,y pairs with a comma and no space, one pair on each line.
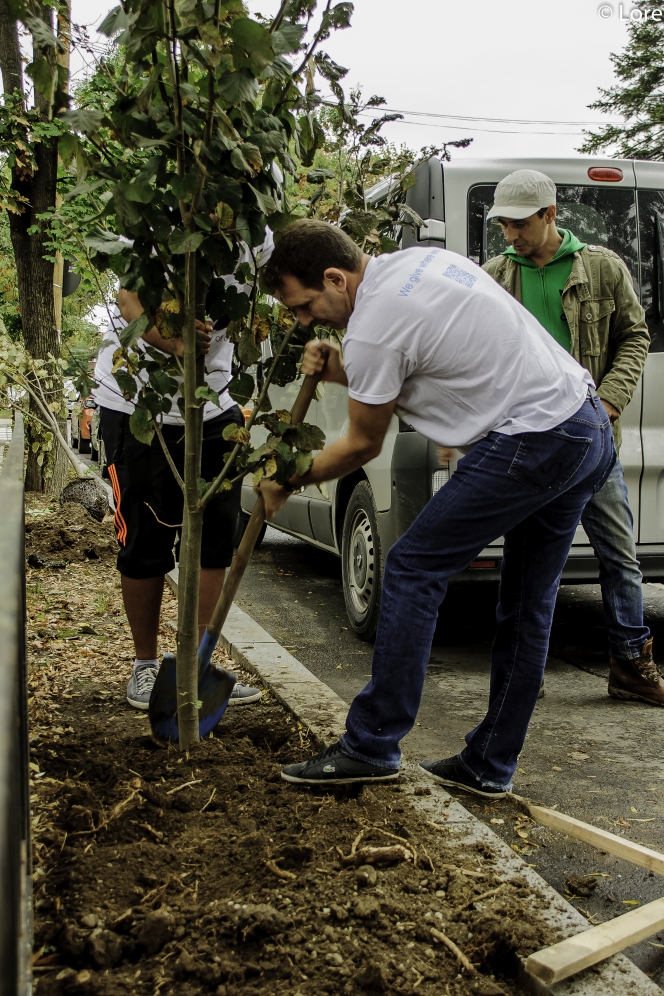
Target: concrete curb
323,712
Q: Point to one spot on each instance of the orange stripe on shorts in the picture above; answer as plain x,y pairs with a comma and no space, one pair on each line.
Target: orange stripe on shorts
118,519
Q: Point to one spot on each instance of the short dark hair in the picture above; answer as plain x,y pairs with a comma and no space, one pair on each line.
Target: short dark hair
306,249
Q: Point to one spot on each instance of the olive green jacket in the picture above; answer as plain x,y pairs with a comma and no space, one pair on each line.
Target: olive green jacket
607,324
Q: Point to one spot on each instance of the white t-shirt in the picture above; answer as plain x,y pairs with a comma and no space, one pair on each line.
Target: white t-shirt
461,355
218,361
217,365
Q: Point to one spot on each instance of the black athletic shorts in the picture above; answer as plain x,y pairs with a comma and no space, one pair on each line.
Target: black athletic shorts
149,501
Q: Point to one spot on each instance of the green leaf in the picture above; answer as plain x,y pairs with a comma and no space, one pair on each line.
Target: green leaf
162,383
180,242
205,391
237,434
247,157
41,33
67,147
115,20
83,188
241,389
248,350
319,175
229,191
387,244
236,303
140,424
234,88
43,76
265,201
303,461
132,332
189,92
139,191
309,437
253,39
287,38
185,187
85,119
338,17
126,383
105,242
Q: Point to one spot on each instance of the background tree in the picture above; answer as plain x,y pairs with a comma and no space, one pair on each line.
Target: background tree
29,136
638,97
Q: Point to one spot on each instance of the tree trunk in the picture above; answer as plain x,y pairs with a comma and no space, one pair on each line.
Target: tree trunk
190,547
34,272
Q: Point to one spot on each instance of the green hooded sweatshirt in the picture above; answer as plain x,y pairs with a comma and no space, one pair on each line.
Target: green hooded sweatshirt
542,287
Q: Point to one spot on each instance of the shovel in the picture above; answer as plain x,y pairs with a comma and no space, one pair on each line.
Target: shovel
215,684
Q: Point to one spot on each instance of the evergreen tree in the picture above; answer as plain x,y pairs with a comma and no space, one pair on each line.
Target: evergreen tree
638,97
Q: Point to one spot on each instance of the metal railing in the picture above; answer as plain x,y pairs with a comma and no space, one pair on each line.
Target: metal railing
15,858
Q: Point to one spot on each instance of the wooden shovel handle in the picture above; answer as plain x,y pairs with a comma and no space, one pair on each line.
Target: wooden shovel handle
255,524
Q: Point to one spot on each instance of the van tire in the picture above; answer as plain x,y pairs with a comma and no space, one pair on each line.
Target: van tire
361,562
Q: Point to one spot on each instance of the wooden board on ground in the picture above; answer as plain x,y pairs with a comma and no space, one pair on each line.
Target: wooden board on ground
561,960
602,839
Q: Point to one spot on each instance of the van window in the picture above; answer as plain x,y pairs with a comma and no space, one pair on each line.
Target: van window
651,219
604,216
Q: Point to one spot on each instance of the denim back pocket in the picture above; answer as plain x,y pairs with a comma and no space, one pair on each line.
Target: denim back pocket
547,461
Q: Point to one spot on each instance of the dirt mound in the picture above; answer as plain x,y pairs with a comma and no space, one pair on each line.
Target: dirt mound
70,534
208,874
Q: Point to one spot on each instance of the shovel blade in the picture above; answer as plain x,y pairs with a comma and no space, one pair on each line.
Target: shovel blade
215,686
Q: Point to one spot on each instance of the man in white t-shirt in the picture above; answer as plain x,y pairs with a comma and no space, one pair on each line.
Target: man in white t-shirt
149,501
434,338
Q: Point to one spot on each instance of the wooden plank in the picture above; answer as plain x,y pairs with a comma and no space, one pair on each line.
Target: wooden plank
557,962
605,841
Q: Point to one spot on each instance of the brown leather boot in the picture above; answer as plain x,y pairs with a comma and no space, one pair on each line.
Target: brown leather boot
637,678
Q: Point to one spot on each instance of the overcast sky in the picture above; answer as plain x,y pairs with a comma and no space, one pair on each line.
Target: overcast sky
476,58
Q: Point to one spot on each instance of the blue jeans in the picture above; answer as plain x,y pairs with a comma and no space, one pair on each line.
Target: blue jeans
531,488
607,520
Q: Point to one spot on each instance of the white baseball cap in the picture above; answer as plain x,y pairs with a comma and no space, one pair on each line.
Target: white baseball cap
521,194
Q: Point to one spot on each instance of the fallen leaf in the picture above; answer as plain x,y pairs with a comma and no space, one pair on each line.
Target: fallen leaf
630,902
578,756
497,822
556,768
632,810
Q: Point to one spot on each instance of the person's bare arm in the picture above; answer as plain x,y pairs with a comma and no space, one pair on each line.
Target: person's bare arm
131,308
364,441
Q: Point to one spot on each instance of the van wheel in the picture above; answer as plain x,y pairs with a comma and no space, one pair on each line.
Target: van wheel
242,522
361,563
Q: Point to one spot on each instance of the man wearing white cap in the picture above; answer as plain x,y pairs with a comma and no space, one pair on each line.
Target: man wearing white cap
584,297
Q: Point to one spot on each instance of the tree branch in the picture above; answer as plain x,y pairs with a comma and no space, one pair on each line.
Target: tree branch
169,458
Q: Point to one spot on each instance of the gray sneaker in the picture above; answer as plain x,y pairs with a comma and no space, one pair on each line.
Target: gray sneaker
243,695
140,686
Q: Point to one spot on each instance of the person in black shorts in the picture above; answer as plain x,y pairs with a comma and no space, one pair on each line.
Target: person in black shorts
149,501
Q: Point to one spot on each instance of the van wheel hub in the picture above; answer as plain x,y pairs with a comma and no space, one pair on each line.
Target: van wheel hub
362,568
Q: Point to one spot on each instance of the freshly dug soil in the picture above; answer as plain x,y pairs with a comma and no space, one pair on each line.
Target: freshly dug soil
186,875
70,534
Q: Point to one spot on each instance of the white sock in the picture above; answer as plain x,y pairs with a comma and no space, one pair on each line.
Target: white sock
150,663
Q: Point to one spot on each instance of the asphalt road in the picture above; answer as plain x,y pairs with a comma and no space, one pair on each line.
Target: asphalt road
592,757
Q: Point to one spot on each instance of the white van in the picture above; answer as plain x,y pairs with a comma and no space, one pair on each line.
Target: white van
614,203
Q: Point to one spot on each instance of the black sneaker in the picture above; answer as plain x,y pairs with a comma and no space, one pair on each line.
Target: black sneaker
334,766
451,772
